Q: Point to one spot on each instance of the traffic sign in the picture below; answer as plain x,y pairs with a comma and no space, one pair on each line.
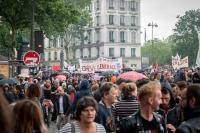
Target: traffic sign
31,59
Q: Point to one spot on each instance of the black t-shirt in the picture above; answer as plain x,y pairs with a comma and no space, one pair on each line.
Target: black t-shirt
149,126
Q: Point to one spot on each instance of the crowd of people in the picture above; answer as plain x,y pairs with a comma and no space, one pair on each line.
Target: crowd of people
161,103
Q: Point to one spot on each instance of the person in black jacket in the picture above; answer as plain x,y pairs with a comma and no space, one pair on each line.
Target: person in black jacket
62,108
169,109
146,120
192,110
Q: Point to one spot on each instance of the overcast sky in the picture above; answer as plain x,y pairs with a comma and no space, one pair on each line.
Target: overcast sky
163,13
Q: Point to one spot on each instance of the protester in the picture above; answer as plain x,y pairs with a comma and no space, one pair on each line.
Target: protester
62,108
5,116
108,93
169,109
85,114
192,110
28,118
128,103
84,90
146,120
72,93
34,93
9,95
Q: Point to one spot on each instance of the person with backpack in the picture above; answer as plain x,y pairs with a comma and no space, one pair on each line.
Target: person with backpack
86,110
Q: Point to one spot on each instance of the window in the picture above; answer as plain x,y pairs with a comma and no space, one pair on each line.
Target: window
98,20
89,37
61,42
111,18
133,52
132,6
54,43
98,5
133,65
49,44
133,20
121,20
122,4
55,56
111,38
111,52
98,36
133,37
49,56
111,4
122,52
122,36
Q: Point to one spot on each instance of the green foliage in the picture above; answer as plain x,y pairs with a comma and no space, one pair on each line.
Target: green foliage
51,16
5,40
185,35
5,36
159,52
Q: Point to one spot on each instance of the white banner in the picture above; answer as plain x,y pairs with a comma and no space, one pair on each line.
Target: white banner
178,63
101,64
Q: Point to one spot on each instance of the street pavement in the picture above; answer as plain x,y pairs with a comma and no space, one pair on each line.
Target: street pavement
52,128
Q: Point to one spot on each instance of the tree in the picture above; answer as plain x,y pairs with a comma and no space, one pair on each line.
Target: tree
52,16
159,52
185,35
5,40
77,30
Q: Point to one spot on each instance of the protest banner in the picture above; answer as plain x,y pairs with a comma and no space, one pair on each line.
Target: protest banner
101,64
178,63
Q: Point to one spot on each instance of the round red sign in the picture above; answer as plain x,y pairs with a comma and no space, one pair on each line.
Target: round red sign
31,58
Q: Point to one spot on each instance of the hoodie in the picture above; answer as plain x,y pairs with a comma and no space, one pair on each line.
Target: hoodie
172,116
84,90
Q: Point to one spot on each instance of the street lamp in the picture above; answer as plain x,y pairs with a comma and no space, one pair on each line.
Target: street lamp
152,25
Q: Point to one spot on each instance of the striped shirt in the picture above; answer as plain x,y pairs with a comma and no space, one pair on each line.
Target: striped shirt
68,128
124,108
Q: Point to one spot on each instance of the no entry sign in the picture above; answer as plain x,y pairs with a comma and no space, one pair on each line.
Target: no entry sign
31,59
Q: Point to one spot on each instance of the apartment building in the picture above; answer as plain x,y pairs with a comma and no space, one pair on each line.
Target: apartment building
114,32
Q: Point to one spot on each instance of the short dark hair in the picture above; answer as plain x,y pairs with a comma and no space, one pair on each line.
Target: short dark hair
194,91
165,90
83,103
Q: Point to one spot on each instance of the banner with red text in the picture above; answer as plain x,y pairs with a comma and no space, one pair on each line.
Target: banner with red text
178,63
100,64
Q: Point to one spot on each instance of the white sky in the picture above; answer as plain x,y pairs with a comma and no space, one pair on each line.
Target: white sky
163,13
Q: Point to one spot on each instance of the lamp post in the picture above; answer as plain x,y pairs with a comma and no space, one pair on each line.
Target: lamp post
152,25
